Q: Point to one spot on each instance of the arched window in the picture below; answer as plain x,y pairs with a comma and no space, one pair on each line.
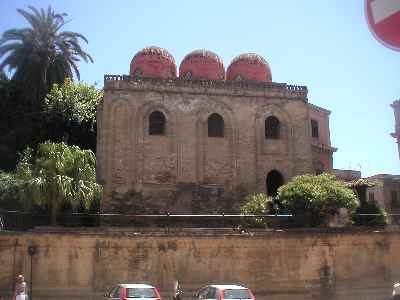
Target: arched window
314,129
272,128
215,126
157,123
274,181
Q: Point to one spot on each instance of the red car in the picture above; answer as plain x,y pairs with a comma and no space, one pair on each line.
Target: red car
133,291
223,291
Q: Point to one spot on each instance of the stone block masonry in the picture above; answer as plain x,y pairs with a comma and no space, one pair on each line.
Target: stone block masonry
312,264
184,168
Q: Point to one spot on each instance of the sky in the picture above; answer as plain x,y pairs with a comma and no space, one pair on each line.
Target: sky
325,45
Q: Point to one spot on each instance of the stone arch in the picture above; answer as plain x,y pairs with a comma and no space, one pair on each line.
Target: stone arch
273,181
220,108
144,114
227,145
119,121
160,150
273,110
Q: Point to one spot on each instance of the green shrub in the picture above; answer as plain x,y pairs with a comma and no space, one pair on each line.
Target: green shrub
313,199
255,204
370,207
10,192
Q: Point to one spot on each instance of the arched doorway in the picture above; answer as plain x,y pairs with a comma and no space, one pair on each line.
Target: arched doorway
274,181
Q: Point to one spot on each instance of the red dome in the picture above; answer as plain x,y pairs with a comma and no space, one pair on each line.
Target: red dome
153,62
249,66
202,64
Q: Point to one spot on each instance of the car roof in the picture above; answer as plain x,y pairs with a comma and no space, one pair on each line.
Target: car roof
228,287
136,286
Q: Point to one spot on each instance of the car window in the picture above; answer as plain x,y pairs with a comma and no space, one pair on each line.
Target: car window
116,292
237,294
203,293
141,293
211,294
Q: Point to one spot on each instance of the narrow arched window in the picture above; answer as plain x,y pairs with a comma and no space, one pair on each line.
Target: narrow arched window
157,123
314,129
215,126
272,128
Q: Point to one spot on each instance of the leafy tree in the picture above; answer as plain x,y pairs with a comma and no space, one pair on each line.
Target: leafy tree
70,112
255,204
312,199
10,191
58,174
41,54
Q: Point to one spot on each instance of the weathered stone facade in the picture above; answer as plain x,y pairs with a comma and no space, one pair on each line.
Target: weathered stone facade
185,170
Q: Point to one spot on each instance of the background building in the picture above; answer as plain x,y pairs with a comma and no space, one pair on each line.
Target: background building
386,193
396,134
202,141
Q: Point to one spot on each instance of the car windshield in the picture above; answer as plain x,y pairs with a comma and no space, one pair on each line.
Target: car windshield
237,294
141,293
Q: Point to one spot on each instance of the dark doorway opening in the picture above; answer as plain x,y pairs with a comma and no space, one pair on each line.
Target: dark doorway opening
274,181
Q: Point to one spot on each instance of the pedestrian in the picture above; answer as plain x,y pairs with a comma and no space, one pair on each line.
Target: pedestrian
396,292
20,292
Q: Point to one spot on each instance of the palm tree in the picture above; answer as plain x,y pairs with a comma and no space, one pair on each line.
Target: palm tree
4,82
41,54
59,174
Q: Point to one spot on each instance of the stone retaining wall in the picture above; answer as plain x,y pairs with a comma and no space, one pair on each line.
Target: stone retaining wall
307,264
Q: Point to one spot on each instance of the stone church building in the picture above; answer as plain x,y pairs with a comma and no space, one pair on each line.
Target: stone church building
201,141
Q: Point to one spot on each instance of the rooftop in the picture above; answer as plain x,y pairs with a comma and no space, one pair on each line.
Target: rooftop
236,88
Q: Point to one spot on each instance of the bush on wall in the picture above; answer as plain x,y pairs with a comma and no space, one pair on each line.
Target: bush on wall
314,199
256,204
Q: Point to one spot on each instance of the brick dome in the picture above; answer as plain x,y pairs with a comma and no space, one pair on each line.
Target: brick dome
203,65
153,62
249,66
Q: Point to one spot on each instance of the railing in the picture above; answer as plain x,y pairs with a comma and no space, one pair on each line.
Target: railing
289,87
20,221
109,77
296,88
14,220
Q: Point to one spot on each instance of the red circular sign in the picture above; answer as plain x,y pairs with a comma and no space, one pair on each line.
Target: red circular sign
384,21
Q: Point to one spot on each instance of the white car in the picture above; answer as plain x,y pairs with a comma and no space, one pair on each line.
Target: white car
124,291
223,291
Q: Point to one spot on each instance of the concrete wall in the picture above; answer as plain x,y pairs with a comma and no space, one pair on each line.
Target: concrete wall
312,264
